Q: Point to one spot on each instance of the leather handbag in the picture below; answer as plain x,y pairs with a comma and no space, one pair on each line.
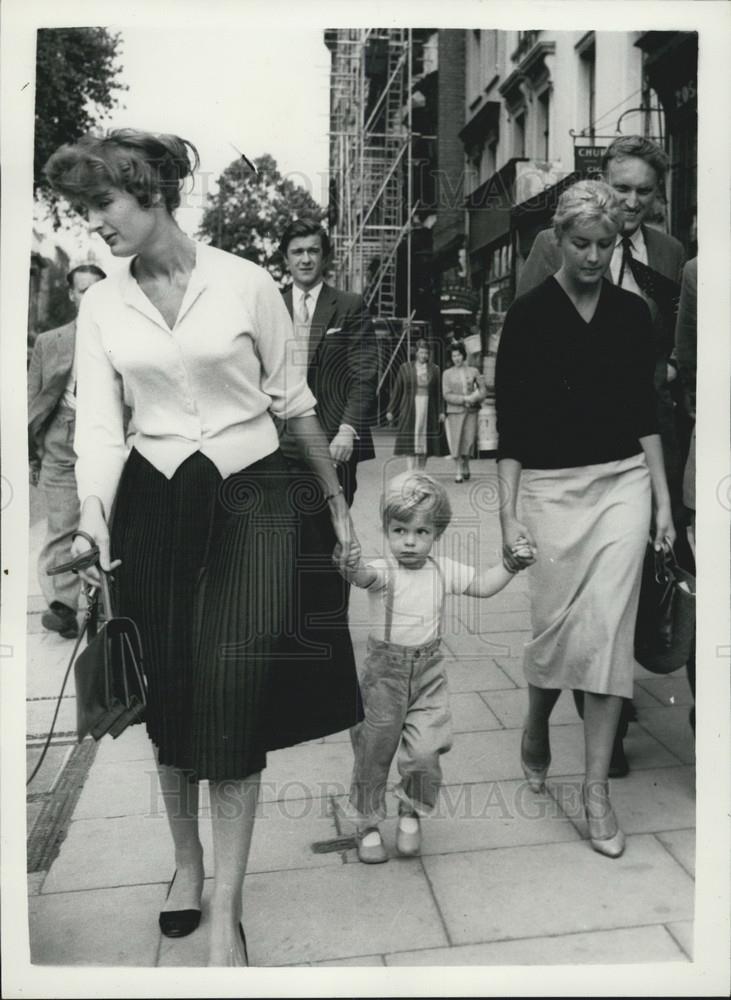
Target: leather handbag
665,629
111,692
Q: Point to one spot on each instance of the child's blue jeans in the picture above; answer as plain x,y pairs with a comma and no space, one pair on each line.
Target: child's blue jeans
406,705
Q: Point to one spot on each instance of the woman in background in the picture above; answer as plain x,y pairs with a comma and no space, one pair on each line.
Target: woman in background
463,392
416,399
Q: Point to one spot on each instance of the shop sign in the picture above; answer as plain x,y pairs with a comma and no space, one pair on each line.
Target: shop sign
588,159
458,300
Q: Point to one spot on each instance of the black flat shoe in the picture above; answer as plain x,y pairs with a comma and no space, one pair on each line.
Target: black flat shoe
178,923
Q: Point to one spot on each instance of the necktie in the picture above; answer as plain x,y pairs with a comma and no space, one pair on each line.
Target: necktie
304,312
627,259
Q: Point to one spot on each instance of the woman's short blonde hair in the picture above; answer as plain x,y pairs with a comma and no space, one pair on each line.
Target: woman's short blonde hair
587,202
412,493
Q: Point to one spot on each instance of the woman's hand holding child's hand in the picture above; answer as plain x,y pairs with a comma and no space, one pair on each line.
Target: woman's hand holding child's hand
519,555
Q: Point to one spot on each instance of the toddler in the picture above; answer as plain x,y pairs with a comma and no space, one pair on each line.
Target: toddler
403,684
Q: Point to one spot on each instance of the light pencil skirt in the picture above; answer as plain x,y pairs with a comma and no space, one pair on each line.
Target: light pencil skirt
591,525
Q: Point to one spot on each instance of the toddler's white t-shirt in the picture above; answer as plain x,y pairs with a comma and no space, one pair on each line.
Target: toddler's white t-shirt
416,596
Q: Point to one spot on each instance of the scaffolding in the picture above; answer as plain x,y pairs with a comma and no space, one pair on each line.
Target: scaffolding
371,203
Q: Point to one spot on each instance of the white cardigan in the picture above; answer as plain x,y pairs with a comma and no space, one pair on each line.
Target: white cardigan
206,385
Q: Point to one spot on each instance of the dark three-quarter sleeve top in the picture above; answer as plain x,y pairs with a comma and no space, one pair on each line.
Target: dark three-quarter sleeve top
571,393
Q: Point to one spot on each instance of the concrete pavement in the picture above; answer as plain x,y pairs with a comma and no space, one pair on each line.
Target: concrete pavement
505,877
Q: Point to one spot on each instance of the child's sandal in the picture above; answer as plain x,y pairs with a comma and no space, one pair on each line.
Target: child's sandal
370,846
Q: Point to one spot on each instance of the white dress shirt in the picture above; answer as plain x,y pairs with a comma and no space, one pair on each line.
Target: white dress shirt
205,385
298,295
639,252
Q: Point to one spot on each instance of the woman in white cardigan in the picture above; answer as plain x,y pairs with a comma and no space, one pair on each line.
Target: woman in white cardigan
463,391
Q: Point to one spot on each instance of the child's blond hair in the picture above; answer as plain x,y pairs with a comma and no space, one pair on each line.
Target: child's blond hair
412,493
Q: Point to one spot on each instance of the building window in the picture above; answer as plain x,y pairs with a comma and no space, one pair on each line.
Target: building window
587,109
543,125
475,65
519,135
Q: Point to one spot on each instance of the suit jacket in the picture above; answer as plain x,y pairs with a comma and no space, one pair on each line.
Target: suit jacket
343,365
48,373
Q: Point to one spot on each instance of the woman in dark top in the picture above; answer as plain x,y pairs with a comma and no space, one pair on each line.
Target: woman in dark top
416,398
578,435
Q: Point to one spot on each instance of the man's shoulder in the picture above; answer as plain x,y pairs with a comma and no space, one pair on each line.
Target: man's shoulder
351,301
57,333
546,240
663,244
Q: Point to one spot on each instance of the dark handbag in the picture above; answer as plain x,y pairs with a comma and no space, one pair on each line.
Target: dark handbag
111,692
665,629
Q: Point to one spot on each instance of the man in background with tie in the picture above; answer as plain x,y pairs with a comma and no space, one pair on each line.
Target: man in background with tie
51,424
338,341
649,263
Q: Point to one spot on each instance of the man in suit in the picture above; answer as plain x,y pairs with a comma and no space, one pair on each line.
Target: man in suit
51,421
635,167
338,340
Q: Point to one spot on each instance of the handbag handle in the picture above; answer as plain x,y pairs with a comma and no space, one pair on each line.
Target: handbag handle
89,621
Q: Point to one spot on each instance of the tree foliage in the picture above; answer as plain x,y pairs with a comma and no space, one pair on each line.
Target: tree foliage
249,212
77,75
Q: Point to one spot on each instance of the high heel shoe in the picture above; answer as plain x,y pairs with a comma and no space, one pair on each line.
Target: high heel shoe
611,845
535,776
178,923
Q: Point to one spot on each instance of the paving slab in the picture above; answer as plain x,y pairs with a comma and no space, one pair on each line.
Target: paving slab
47,656
470,713
670,727
309,770
646,801
682,931
103,853
495,756
511,707
122,788
339,913
644,751
635,944
681,844
512,666
39,715
593,890
475,674
470,643
671,689
103,927
133,744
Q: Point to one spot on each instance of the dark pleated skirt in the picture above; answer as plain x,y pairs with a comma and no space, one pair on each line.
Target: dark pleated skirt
244,628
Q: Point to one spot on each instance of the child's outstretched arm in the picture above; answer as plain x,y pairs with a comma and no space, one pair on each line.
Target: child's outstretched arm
492,580
353,568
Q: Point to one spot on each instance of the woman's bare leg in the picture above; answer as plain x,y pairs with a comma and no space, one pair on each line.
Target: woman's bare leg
233,810
180,796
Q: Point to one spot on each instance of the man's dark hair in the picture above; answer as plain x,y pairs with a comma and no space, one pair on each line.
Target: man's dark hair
304,227
84,269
